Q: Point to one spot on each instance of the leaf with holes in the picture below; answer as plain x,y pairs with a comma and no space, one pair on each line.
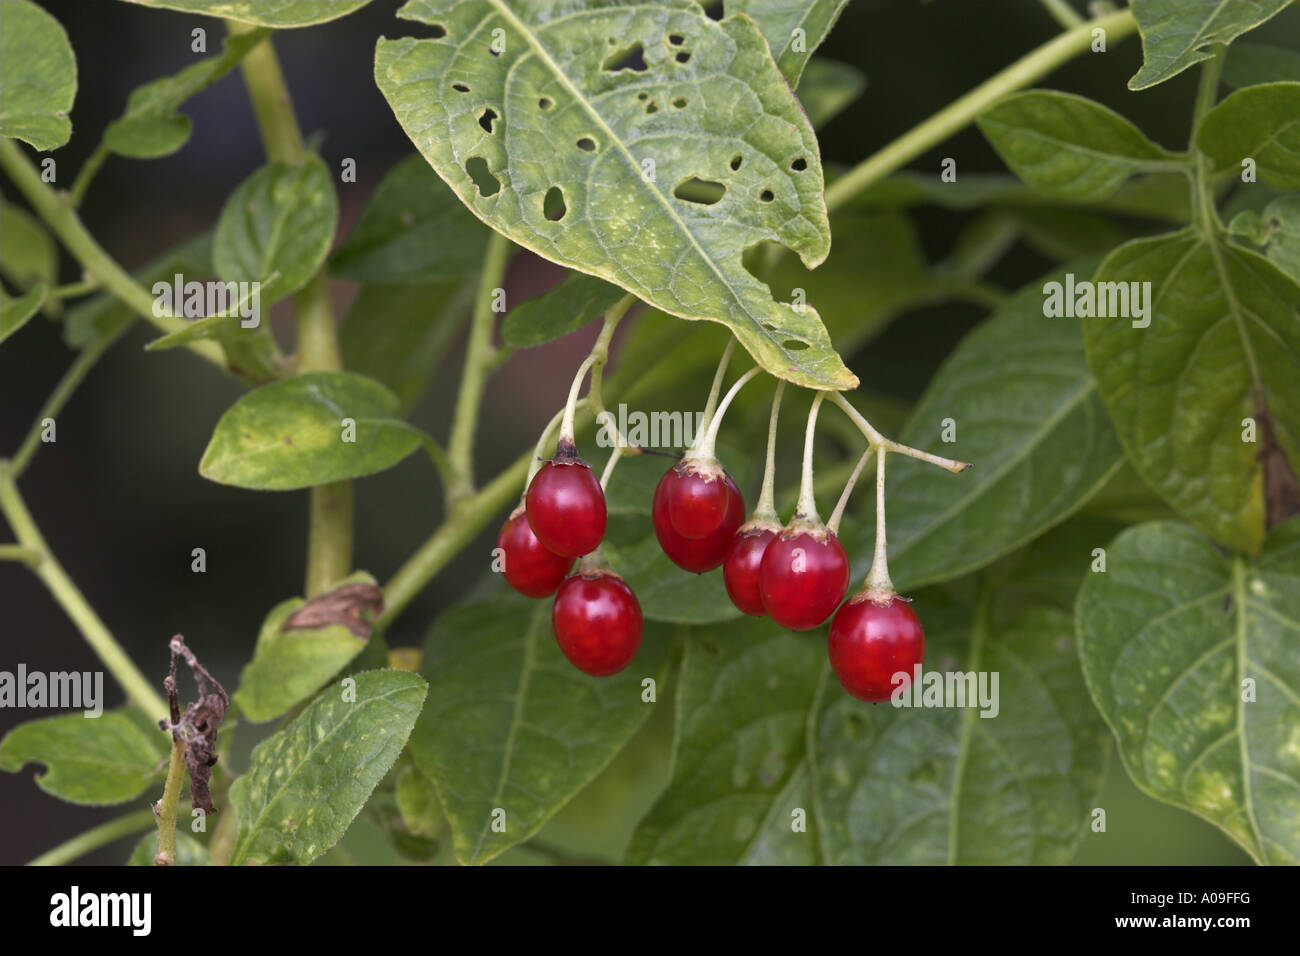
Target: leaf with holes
793,28
576,301
281,14
1067,145
1017,399
413,229
1260,123
111,758
512,730
307,783
1177,34
1193,658
277,223
1222,346
647,145
38,76
308,430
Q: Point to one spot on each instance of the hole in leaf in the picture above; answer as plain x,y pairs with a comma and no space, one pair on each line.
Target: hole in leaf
545,103
437,31
683,57
713,9
553,207
460,87
486,119
794,345
643,96
766,195
632,58
799,164
676,39
477,168
770,326
651,107
680,102
736,161
586,144
701,191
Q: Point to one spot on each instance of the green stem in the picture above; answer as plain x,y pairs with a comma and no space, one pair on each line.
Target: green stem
878,585
16,552
706,443
74,604
600,351
878,440
167,806
962,111
269,95
716,388
84,175
77,371
806,509
96,837
64,223
767,497
1063,13
478,362
838,513
74,289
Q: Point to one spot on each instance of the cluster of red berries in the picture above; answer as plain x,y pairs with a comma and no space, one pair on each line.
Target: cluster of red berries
798,575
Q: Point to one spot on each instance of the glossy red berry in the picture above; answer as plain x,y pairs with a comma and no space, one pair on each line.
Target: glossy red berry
566,508
804,576
871,642
597,622
703,554
742,561
698,496
527,566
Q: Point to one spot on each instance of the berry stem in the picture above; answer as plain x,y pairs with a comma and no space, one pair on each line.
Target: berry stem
767,497
878,584
543,440
571,406
807,506
880,441
707,417
838,513
614,456
596,360
703,446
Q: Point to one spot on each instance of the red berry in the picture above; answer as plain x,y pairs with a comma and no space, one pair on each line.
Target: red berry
566,508
697,499
741,563
597,622
528,567
871,642
803,577
706,553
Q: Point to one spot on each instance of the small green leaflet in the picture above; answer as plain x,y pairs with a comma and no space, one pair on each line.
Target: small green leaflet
38,76
1177,34
1261,123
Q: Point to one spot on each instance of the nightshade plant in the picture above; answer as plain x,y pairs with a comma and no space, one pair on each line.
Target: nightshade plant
1124,555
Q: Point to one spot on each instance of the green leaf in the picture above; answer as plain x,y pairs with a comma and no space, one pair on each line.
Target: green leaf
1222,334
397,334
827,88
290,666
1069,146
665,591
793,28
1261,123
881,784
281,14
1281,219
1177,34
1246,64
582,119
577,300
1169,636
1027,414
290,434
417,801
151,126
38,76
189,851
15,313
413,229
27,253
281,219
305,784
511,725
101,760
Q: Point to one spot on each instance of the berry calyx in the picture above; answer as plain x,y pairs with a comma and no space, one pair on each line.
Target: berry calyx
597,621
701,554
742,561
804,575
526,564
872,639
566,506
697,498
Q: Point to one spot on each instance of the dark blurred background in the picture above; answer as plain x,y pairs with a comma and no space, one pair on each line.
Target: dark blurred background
119,497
